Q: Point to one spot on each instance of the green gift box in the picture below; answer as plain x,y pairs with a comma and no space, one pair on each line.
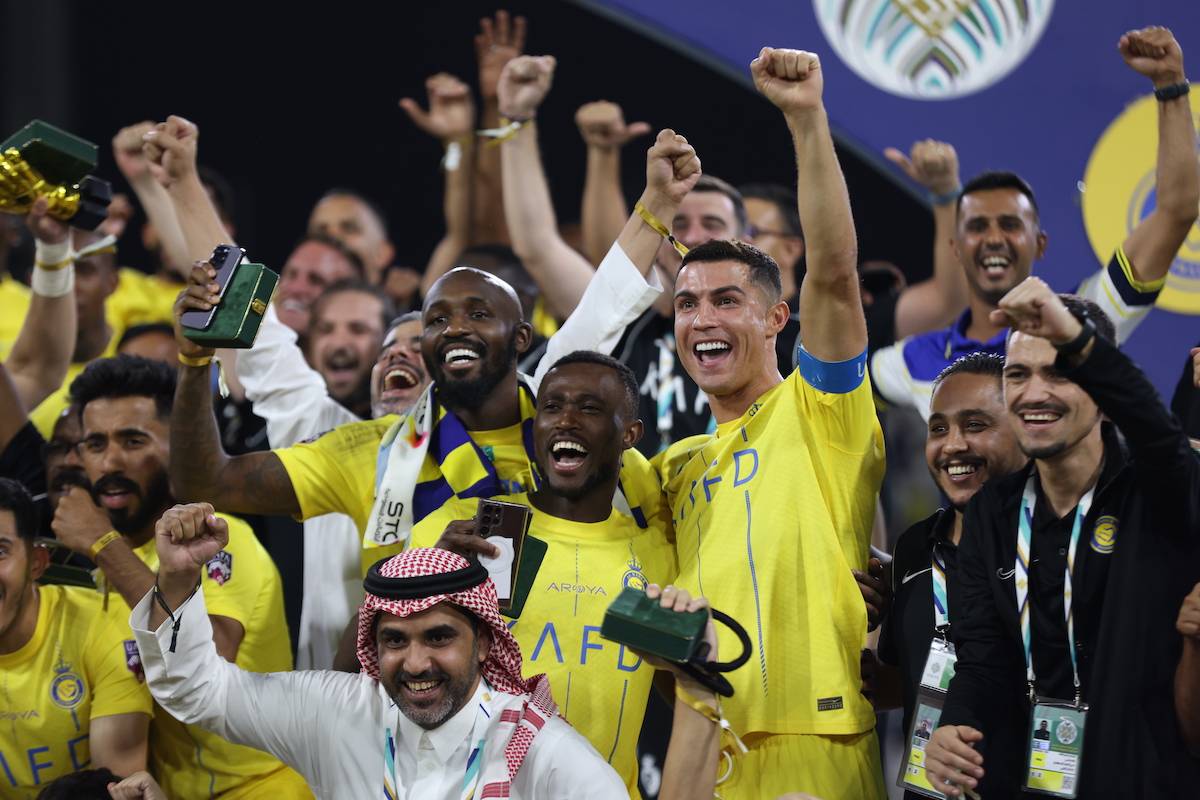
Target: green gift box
636,621
236,318
41,160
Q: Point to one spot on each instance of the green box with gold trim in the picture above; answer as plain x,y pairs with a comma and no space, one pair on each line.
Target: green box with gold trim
240,312
636,621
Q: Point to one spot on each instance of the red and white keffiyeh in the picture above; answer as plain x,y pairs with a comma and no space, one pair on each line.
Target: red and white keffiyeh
501,669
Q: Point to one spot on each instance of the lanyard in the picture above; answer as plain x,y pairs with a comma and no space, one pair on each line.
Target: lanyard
941,608
1024,538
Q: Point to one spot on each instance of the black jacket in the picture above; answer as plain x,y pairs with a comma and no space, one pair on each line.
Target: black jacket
1126,641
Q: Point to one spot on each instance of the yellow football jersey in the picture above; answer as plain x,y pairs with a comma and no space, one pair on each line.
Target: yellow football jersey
77,667
241,583
771,514
14,304
600,686
141,299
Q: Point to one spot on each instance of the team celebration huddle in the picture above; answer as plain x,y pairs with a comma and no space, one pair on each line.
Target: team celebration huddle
594,511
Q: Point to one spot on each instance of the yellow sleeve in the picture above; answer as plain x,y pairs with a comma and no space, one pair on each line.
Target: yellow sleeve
234,577
114,668
846,421
336,471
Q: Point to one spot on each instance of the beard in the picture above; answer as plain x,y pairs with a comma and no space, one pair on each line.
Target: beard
150,504
472,393
457,691
598,478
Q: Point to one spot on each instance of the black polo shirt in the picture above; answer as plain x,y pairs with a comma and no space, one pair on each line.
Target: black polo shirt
909,628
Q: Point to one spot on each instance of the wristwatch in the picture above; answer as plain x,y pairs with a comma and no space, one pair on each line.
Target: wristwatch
1077,344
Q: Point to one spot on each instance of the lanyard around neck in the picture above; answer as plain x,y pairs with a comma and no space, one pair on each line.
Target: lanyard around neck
941,606
1024,540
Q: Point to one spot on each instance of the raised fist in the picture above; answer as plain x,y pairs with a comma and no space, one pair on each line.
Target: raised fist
1033,308
1153,52
931,163
1188,623
188,536
451,113
171,145
497,43
602,125
128,152
791,79
672,166
45,228
524,84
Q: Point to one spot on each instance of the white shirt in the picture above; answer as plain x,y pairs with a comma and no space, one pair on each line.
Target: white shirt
327,725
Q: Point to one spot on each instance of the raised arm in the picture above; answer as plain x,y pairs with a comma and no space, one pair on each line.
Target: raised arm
254,483
499,41
171,145
1187,673
41,355
451,120
146,180
937,300
830,304
561,273
602,126
1151,247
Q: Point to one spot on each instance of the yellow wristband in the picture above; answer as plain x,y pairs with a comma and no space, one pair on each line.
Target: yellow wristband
507,130
188,361
57,265
103,542
654,223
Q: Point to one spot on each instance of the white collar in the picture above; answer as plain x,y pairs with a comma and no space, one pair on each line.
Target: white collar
450,735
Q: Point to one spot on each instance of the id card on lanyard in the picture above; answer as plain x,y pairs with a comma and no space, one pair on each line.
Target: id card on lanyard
1055,752
931,694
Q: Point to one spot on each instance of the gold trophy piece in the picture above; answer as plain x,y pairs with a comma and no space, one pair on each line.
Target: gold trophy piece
41,160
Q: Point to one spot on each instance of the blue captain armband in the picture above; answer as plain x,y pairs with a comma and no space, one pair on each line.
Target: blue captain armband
834,377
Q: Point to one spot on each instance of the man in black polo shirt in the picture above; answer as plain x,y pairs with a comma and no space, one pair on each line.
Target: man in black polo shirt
969,441
1070,576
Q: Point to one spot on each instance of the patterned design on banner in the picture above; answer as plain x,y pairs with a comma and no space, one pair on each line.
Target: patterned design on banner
1118,193
933,49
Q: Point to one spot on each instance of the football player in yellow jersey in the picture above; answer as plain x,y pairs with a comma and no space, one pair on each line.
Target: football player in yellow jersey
125,409
774,511
480,407
584,553
72,694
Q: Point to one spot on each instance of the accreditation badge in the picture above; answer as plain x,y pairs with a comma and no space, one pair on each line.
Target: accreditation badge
931,696
1055,747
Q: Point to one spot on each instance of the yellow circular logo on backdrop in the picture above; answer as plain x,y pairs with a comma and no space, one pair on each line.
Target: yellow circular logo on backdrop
1119,193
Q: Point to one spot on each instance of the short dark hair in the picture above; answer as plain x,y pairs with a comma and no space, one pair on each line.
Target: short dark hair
375,208
763,269
711,183
979,363
88,784
623,371
126,376
356,263
135,331
998,179
387,309
783,199
16,498
407,316
1080,306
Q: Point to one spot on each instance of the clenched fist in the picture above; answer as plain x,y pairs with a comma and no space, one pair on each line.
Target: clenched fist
791,79
930,163
672,167
1188,623
524,84
451,113
171,145
602,125
78,522
129,153
1153,52
1033,308
187,537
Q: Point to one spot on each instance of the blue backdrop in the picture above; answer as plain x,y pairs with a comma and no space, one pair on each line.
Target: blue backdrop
1026,85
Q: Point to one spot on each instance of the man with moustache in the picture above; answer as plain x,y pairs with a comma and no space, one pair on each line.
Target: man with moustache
125,411
345,329
463,441
774,510
969,442
998,237
1071,573
586,422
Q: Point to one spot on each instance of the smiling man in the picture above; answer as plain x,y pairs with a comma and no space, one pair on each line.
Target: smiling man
1070,575
586,423
125,412
774,510
345,330
317,263
999,237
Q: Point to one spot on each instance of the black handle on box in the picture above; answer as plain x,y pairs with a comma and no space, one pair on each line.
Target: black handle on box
708,673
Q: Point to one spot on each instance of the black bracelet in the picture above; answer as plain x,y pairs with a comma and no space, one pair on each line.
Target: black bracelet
1077,344
1171,92
158,598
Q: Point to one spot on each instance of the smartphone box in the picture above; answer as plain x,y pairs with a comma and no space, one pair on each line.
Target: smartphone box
237,318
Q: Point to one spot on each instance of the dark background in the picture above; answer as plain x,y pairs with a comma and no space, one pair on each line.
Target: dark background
291,101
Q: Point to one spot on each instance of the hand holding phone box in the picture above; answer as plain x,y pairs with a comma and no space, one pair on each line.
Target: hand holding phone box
244,290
